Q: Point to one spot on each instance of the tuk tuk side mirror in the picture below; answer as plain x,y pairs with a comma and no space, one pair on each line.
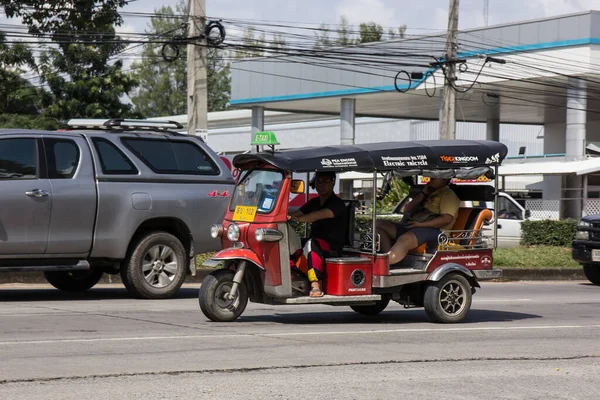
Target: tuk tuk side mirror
527,214
297,186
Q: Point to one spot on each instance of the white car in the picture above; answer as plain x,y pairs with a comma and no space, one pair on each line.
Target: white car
510,216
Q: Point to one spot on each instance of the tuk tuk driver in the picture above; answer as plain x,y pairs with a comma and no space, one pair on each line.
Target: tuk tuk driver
437,200
327,214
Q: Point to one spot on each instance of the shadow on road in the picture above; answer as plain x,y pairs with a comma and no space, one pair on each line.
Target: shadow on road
386,317
97,293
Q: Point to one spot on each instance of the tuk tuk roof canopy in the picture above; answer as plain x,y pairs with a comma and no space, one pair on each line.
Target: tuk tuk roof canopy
411,156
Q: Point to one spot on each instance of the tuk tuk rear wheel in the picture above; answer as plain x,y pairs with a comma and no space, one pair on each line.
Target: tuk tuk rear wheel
212,297
449,299
373,309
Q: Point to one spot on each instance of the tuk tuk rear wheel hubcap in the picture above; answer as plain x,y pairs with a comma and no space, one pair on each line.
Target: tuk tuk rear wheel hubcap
452,298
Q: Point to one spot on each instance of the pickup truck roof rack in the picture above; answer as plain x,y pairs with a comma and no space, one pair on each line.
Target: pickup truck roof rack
125,124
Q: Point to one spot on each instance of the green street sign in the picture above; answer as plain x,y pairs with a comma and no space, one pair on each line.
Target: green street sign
264,139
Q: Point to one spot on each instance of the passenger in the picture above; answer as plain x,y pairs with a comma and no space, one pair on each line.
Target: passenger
434,209
327,214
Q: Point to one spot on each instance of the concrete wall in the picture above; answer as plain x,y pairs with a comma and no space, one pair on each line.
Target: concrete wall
370,130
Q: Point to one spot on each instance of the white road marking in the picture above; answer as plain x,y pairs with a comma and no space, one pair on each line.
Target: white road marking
288,334
501,300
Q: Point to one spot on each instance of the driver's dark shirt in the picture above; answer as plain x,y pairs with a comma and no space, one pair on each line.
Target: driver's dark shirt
333,230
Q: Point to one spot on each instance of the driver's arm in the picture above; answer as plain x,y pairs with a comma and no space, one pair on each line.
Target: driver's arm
296,214
418,199
316,215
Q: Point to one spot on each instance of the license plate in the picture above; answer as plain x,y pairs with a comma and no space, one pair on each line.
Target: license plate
595,255
244,213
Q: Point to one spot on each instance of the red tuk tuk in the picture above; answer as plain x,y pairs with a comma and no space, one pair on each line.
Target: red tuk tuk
441,276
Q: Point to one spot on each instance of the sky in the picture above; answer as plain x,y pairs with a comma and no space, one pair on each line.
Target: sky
420,16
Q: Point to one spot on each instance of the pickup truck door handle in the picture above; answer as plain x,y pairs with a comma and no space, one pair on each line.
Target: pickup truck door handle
37,193
499,226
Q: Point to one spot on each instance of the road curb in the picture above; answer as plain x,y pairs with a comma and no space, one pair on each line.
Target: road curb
509,274
543,274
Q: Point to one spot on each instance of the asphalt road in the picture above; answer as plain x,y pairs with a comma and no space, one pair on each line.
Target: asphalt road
521,340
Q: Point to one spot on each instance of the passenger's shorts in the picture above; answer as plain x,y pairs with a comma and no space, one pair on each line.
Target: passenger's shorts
423,235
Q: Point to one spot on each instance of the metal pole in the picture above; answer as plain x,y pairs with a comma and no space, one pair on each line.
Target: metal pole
584,196
496,207
374,226
448,120
306,198
196,70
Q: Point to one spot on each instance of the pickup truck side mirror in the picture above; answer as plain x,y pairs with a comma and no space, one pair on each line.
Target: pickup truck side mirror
527,214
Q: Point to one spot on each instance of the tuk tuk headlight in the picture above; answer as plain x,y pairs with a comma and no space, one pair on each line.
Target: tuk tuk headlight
216,231
268,235
582,235
233,232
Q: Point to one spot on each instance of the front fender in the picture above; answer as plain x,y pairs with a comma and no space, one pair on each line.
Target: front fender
445,269
235,254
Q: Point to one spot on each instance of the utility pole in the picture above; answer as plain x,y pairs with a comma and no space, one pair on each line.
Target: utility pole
448,117
486,10
196,69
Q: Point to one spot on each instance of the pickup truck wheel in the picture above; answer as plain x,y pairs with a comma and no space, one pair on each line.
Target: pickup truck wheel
449,299
374,309
592,272
212,297
155,267
74,281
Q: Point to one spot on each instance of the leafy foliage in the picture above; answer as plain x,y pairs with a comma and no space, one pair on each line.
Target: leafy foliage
548,232
77,69
367,32
163,85
21,103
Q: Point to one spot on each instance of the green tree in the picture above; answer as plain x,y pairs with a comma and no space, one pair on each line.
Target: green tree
163,84
21,102
344,33
77,69
322,39
397,35
370,32
252,46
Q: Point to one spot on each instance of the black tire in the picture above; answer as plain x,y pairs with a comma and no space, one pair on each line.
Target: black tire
373,309
74,281
592,272
211,300
156,266
449,299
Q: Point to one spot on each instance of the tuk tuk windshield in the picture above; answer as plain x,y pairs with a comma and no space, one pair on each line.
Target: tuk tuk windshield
260,189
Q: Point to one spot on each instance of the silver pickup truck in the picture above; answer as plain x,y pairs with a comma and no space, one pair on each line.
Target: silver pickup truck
125,197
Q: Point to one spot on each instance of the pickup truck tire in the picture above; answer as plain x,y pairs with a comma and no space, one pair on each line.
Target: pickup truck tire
212,299
155,267
592,272
74,281
449,299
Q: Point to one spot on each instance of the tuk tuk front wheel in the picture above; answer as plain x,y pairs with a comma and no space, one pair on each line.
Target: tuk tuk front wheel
449,299
213,297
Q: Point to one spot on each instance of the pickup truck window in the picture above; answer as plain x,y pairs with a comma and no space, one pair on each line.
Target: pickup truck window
18,158
172,157
112,160
508,210
62,156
